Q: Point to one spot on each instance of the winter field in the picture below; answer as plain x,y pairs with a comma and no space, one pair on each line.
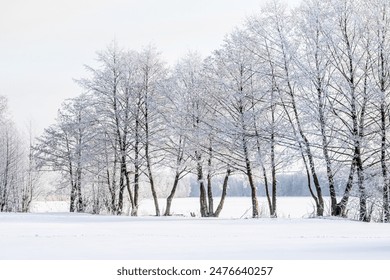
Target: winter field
50,233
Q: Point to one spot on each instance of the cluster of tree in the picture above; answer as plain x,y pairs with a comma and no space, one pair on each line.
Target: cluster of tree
19,177
306,88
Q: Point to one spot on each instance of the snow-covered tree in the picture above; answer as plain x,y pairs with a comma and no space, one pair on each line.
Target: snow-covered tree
65,147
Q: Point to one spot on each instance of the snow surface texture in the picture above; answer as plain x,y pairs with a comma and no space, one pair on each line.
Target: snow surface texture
60,236
234,207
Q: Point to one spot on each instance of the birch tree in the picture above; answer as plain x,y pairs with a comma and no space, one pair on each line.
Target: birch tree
378,16
349,47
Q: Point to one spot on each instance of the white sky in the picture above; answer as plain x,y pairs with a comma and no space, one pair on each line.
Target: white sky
45,43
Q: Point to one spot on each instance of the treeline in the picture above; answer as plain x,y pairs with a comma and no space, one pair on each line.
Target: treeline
291,89
19,177
292,184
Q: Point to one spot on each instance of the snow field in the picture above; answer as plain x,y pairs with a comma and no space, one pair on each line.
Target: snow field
234,207
65,236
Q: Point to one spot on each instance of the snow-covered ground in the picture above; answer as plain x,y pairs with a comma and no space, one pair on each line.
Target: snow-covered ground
234,207
80,236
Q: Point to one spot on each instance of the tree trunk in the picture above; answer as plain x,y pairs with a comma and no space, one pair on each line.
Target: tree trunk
320,206
319,200
325,152
363,215
210,195
111,177
209,186
273,166
223,195
342,205
151,181
267,190
172,194
202,195
111,188
386,210
80,204
134,210
122,185
72,198
128,186
248,167
310,172
154,193
255,205
315,198
383,77
73,190
4,199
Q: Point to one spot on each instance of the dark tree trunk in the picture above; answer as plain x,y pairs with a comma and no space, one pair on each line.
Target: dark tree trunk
317,198
73,190
223,195
342,205
202,196
267,190
210,195
172,194
363,215
151,181
4,193
154,193
386,210
248,167
209,185
80,204
320,205
273,167
255,205
111,178
307,149
134,210
129,190
383,77
179,172
72,207
122,184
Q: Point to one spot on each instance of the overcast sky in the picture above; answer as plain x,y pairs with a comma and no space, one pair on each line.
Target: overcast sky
44,43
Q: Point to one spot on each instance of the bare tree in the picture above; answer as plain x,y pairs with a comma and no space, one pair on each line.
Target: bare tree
349,47
64,147
272,36
235,75
152,73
